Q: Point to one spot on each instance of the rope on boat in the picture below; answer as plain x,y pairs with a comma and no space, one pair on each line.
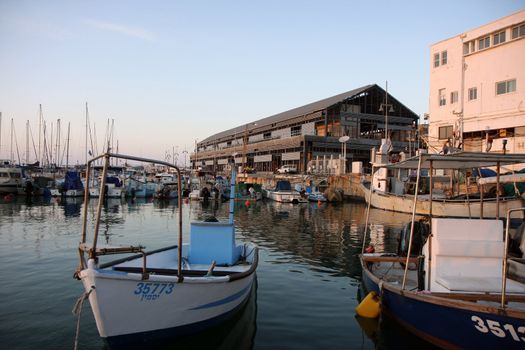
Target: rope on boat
77,311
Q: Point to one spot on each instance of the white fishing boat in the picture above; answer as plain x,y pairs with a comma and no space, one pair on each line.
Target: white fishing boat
12,179
284,193
316,196
179,289
393,190
453,281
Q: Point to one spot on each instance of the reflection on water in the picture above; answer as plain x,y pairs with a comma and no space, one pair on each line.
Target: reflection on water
308,274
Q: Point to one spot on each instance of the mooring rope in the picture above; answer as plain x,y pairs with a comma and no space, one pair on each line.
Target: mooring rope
77,311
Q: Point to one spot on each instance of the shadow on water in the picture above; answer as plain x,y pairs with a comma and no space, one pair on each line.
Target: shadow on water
236,333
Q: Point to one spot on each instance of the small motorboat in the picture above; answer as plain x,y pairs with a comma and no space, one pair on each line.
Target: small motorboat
176,290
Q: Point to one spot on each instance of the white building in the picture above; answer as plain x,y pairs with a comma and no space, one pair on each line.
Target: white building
482,105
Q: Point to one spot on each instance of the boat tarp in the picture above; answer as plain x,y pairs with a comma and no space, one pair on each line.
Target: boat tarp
72,181
283,186
113,180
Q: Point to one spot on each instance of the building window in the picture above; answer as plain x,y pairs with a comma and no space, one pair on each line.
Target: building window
443,58
469,47
484,43
442,97
453,97
472,93
518,31
498,38
436,60
504,87
445,132
296,130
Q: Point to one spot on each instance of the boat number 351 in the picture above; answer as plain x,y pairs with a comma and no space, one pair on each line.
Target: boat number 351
499,330
153,291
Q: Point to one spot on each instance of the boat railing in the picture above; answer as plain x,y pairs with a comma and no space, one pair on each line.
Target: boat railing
505,255
92,250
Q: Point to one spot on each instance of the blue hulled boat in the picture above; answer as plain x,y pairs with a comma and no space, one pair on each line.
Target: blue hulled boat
459,287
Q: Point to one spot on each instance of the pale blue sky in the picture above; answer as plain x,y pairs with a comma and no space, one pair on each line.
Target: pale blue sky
170,72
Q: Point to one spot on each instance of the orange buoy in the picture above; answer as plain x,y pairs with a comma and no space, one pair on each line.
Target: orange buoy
247,203
369,306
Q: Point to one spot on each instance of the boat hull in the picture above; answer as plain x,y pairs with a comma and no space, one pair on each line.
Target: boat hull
286,197
442,208
452,324
160,304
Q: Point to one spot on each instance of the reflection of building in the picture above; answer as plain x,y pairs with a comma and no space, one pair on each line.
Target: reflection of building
312,132
484,101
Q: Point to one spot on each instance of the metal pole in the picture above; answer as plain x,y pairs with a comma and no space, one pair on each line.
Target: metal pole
413,219
179,250
430,221
504,272
368,209
100,204
497,190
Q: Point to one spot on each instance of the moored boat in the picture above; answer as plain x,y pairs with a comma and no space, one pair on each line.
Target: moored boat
178,289
452,281
390,192
284,193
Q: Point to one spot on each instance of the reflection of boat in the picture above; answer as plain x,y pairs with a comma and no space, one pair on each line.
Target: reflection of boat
393,193
458,287
178,289
284,193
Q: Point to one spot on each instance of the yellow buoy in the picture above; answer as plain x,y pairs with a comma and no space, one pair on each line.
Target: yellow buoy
369,306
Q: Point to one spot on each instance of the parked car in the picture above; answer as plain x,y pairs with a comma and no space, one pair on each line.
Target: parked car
287,169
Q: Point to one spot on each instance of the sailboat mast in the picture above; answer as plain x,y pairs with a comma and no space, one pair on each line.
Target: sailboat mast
57,148
87,125
27,142
67,147
39,156
12,159
0,134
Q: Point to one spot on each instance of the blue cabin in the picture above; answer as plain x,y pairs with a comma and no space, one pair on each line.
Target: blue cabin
213,241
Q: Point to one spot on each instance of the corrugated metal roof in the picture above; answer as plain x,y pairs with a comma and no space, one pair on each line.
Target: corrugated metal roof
292,113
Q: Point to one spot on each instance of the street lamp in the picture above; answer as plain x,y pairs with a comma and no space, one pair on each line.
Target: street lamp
343,140
388,107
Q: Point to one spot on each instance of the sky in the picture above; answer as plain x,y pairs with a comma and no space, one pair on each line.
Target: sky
168,73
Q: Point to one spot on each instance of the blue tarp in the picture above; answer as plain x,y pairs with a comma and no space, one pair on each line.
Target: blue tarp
283,186
72,181
113,180
483,172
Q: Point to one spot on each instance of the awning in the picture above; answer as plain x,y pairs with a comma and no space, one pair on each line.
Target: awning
460,160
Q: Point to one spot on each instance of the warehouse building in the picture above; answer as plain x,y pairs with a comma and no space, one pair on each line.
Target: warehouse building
307,137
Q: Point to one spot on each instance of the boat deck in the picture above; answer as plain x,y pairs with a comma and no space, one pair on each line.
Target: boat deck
166,260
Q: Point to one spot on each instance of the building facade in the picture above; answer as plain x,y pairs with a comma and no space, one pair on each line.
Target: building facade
308,138
477,89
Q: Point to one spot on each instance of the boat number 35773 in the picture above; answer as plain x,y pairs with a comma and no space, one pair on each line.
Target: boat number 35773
153,291
499,330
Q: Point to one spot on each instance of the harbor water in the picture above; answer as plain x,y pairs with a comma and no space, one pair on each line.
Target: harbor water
307,280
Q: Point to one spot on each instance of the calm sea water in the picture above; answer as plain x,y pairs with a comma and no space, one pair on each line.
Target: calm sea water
307,280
